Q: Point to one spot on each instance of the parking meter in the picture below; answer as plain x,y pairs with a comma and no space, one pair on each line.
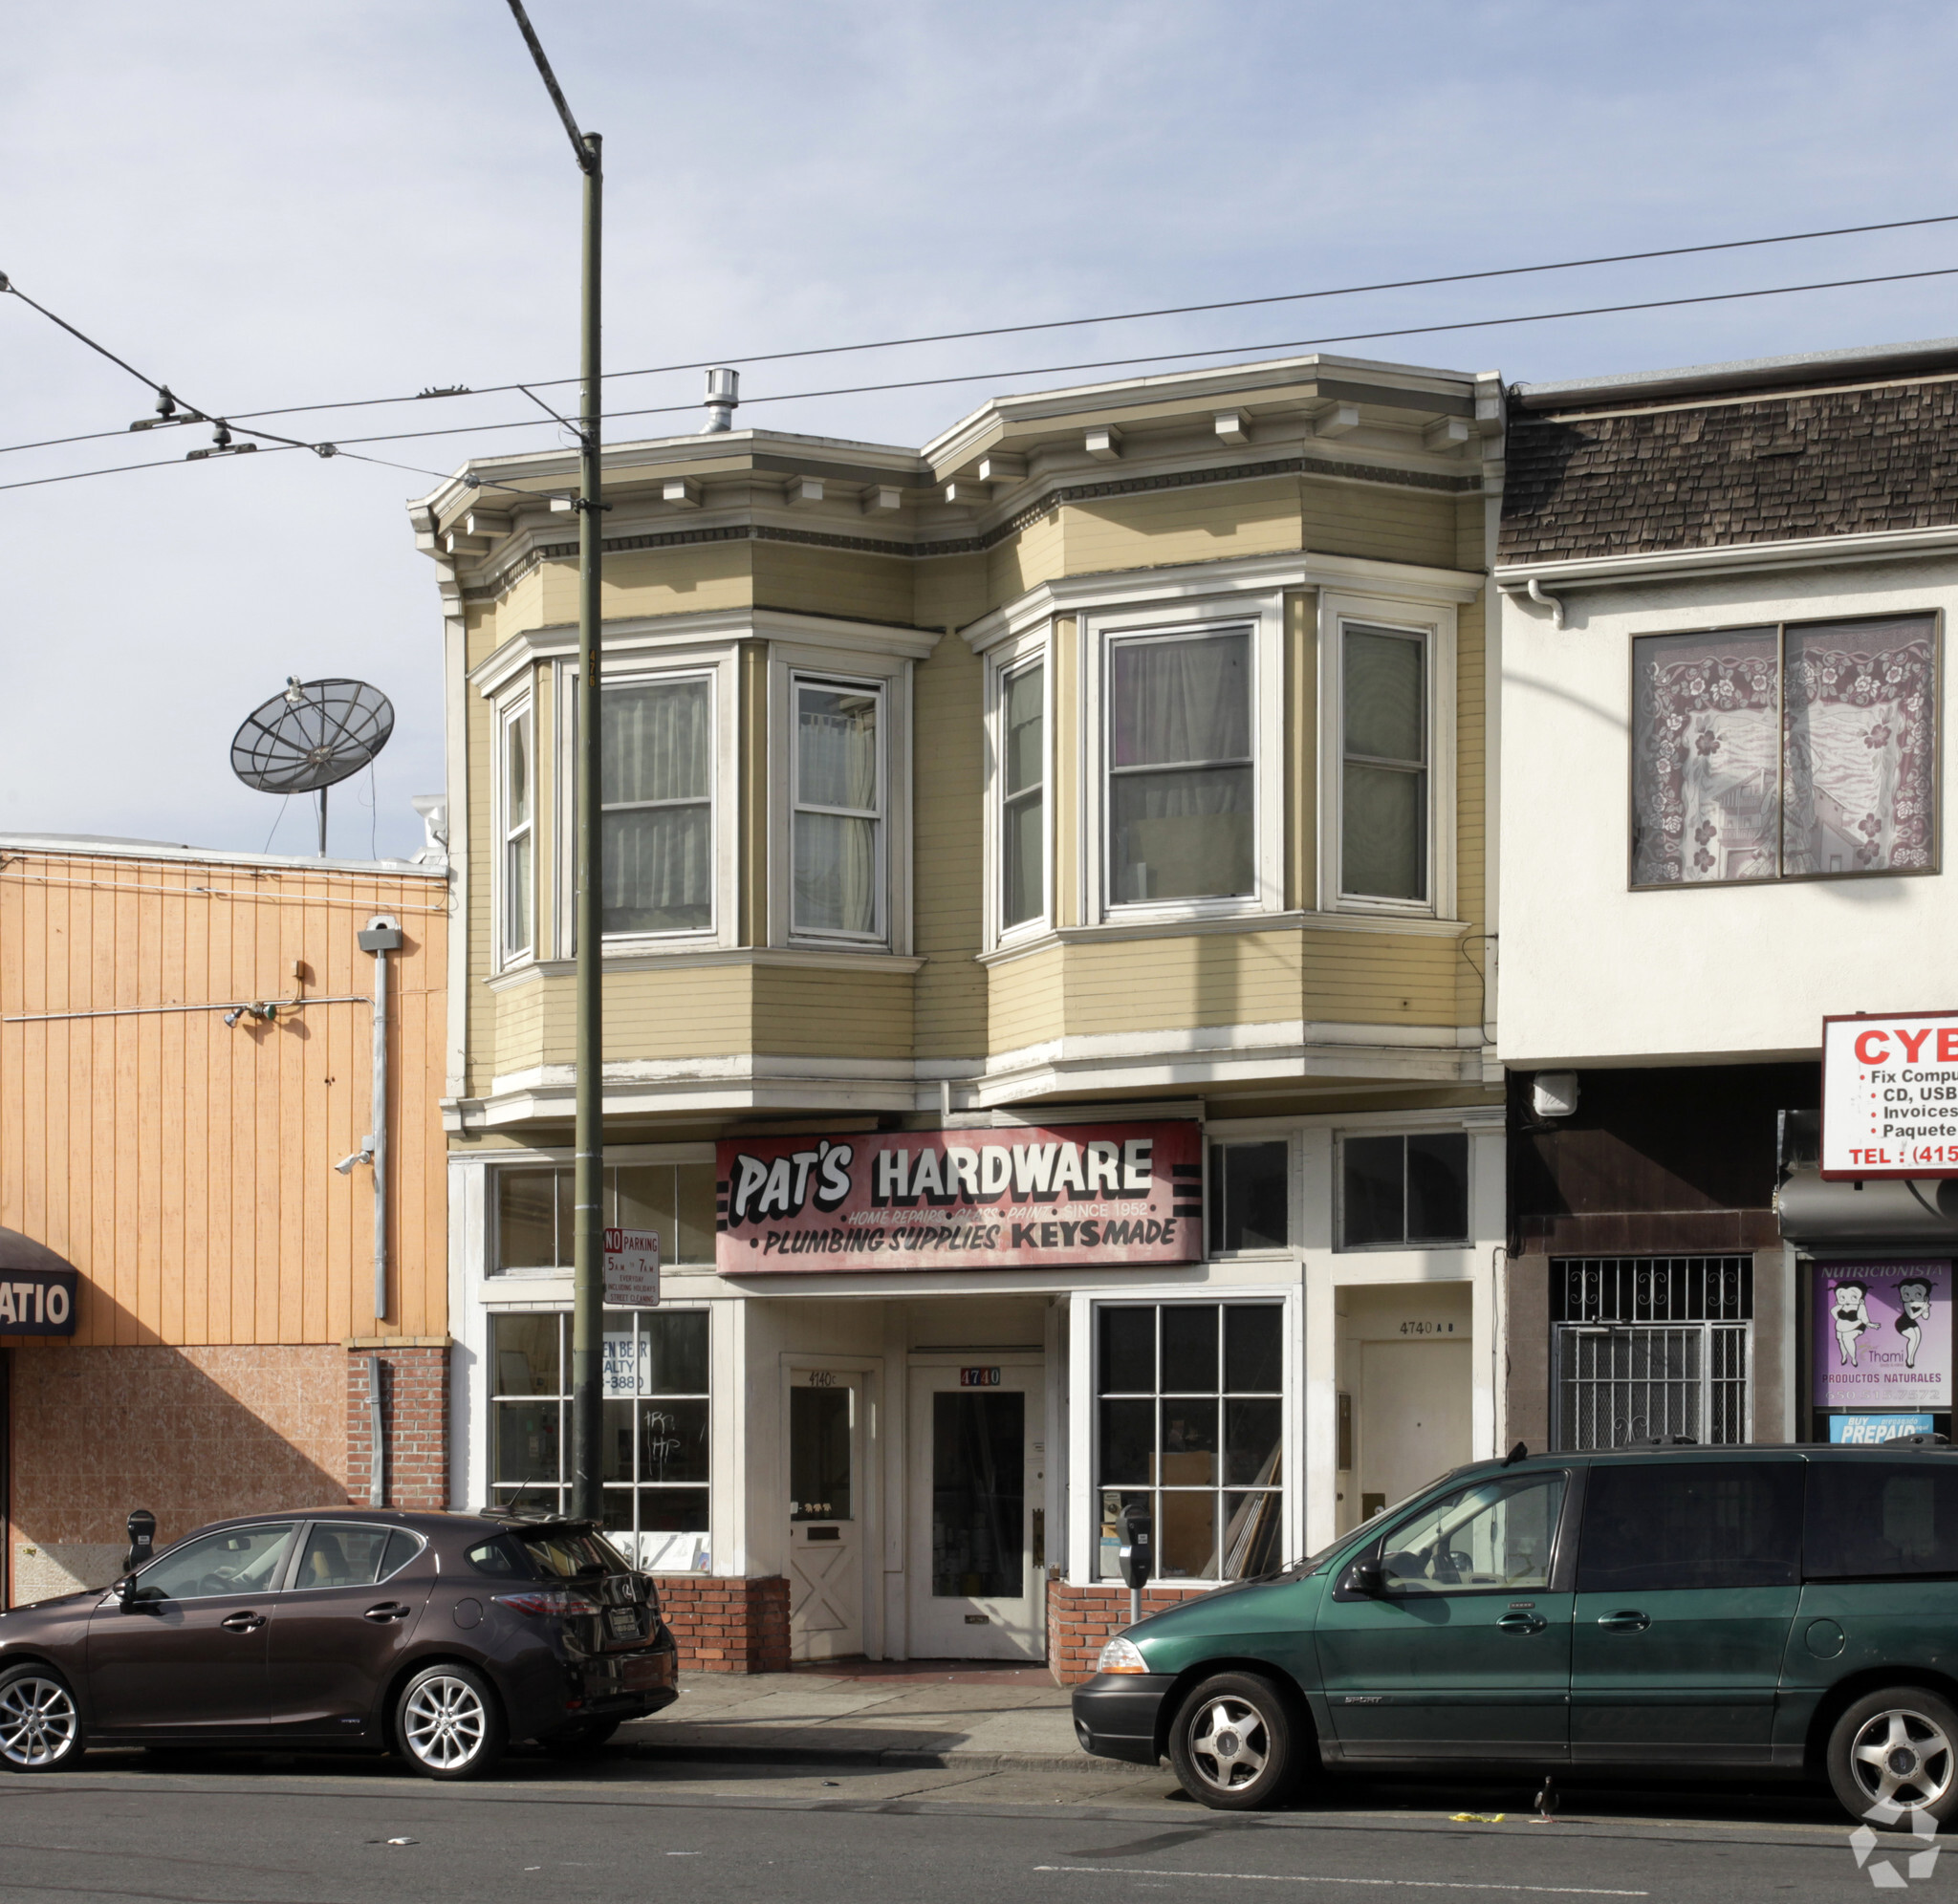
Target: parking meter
142,1533
1136,1553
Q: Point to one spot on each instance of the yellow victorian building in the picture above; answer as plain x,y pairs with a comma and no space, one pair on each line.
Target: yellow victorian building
1048,962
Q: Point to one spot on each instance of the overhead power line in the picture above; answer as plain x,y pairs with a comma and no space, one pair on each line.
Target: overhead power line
348,445
529,384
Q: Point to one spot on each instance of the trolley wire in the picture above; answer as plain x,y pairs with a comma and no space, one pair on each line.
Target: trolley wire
529,384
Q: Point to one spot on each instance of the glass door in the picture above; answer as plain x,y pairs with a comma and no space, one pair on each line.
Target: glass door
978,1490
825,1514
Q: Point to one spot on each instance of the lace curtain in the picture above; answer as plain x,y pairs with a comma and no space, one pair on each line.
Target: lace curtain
655,767
1178,830
836,853
1759,756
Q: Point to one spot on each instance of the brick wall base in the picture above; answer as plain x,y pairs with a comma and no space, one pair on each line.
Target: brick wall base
1082,1620
414,1426
727,1626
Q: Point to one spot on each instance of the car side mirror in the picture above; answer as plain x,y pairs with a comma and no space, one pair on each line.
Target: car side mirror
125,1592
1365,1578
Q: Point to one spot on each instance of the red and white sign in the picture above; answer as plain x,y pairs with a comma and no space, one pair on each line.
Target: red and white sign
1013,1198
1890,1095
632,1268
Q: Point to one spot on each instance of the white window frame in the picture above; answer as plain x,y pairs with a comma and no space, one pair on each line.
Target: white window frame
716,665
1434,622
1030,650
890,678
520,710
1084,1428
1401,1127
1262,617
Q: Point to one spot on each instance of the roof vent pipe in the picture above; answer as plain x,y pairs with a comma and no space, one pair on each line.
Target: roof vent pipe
1536,594
724,395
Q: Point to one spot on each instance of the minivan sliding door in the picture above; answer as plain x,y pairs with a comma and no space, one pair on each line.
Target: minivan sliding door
1687,1581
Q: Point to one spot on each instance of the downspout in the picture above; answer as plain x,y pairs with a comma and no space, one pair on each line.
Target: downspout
1550,601
377,1456
382,936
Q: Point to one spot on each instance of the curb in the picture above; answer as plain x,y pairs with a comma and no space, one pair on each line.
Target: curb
885,1759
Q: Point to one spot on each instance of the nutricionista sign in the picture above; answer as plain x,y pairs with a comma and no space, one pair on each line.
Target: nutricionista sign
1015,1197
1890,1095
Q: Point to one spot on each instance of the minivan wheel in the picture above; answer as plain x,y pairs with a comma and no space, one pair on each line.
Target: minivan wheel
449,1725
40,1725
1895,1753
1231,1744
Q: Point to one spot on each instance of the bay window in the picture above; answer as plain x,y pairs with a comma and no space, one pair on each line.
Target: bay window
1181,801
1023,795
837,819
656,800
519,835
1784,752
1383,811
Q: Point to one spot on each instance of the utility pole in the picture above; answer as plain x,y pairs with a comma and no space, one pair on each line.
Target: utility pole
587,1322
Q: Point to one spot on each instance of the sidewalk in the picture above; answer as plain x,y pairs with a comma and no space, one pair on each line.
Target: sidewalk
955,1714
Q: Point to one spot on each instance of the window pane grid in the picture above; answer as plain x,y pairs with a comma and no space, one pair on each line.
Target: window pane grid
1383,747
535,1216
518,851
655,1427
836,822
1190,1423
656,806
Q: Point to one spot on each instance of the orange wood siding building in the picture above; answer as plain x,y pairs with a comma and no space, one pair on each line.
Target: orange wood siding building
180,1154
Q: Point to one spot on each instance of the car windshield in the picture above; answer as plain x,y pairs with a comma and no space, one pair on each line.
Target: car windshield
566,1555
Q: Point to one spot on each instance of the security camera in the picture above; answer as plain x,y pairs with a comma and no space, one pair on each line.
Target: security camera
365,1155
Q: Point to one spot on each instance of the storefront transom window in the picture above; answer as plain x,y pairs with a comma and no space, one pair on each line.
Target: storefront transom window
655,1435
1190,1423
533,1212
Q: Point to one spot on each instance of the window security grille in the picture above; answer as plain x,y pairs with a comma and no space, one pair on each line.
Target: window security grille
1650,1347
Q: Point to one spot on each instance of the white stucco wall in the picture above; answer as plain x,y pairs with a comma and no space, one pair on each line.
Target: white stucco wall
1593,972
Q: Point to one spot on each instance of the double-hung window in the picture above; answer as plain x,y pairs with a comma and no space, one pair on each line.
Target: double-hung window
519,835
1023,795
656,800
1384,808
837,822
1783,752
1181,795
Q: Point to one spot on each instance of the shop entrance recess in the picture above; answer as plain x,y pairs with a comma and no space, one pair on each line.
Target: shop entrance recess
978,1472
828,1507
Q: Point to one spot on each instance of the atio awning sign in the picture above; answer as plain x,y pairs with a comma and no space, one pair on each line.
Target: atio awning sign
986,1197
1890,1095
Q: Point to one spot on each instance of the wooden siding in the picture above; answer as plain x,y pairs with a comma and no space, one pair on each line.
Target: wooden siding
184,1165
1171,526
948,848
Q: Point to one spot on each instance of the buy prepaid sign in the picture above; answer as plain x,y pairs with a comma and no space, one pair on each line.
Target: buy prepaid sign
1890,1095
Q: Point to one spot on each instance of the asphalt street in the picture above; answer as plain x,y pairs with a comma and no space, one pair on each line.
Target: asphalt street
318,1832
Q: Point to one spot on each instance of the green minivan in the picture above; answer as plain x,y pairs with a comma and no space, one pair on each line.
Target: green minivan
1778,1610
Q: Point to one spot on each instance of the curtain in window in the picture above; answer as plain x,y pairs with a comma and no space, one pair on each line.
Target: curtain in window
836,853
1857,752
1706,758
655,767
1181,831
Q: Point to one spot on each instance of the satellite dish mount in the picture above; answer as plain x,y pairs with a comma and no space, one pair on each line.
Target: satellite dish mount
312,736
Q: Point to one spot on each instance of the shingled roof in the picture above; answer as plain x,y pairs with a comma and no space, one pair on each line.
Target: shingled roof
1626,472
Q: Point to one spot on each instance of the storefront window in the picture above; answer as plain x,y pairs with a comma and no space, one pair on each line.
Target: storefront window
533,1212
655,1433
1190,1423
1250,1195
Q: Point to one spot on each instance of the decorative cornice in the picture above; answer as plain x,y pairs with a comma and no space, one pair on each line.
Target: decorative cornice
1061,496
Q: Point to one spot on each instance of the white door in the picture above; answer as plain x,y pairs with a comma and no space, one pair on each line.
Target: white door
1414,1417
978,1486
826,1509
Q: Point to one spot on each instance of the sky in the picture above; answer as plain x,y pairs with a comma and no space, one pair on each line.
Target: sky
272,206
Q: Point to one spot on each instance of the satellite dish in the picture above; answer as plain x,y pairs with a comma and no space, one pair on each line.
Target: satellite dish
314,734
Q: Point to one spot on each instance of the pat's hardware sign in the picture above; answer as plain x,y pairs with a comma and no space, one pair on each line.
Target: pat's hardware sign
1016,1196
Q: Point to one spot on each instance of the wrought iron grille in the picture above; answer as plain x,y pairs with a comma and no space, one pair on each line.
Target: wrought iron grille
1652,1288
1651,1346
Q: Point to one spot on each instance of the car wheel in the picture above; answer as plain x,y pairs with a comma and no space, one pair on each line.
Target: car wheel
40,1725
1894,1753
586,1735
449,1725
1231,1744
